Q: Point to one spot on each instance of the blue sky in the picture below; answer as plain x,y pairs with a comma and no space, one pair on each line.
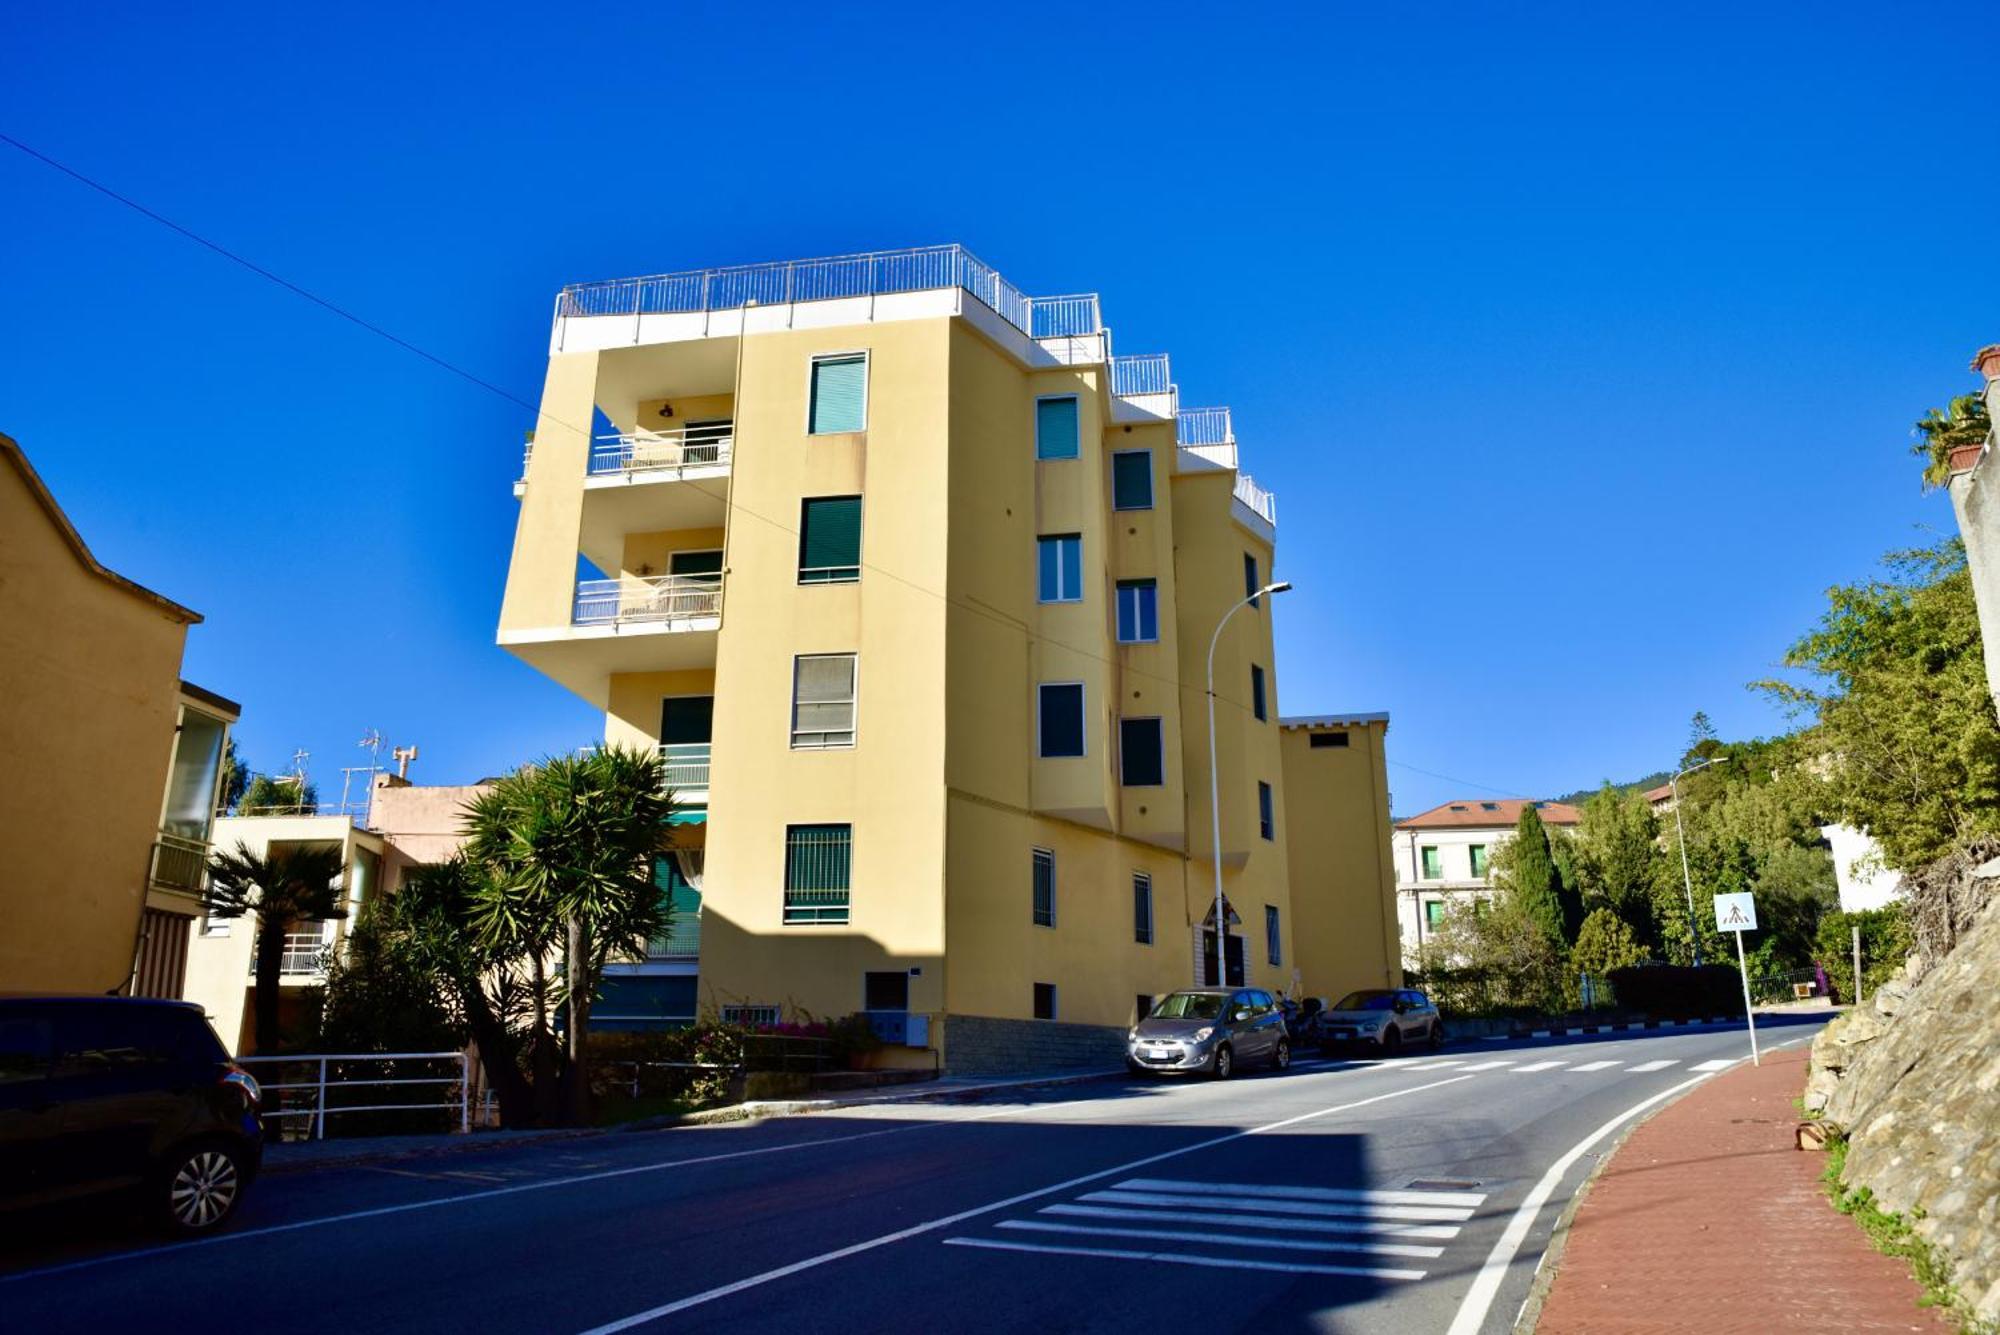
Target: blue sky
1581,348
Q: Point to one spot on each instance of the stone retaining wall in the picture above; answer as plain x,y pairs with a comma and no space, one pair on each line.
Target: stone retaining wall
984,1045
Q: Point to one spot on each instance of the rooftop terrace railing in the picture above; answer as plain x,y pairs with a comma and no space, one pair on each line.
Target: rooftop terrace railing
875,273
1146,374
1261,500
1203,426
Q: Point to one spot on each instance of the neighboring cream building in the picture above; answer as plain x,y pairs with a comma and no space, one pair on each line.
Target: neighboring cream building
1336,841
1444,858
112,762
913,583
1863,880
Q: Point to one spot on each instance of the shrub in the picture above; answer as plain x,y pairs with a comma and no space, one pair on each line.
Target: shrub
1679,991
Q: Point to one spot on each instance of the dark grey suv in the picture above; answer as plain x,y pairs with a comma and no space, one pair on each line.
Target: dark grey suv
117,1094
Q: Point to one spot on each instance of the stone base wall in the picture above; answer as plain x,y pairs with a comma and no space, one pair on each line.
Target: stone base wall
984,1045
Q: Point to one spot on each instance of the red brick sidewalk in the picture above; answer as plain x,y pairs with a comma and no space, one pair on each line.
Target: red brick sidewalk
1707,1219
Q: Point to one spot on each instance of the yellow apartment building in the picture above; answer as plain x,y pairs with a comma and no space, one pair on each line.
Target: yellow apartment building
913,583
112,762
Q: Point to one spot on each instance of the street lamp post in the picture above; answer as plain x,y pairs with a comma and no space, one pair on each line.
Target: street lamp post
1215,785
1680,837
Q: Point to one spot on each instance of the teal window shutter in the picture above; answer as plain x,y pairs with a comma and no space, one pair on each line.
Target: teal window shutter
1055,428
839,394
830,540
1132,480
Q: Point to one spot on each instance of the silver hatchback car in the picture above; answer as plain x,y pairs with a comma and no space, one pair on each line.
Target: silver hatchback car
1386,1020
1209,1031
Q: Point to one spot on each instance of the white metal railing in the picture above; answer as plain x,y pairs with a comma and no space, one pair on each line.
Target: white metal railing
681,940
1260,499
305,955
873,273
646,451
1146,374
651,598
179,863
320,1078
685,765
1203,426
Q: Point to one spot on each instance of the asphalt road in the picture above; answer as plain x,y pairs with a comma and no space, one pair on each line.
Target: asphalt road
1414,1195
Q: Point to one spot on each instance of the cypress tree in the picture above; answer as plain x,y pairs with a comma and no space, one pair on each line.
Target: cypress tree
1536,884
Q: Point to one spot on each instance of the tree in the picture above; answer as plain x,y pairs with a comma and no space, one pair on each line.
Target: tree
1701,739
380,997
567,851
1499,960
235,778
1604,942
1526,868
1962,422
1902,725
273,795
1619,860
285,884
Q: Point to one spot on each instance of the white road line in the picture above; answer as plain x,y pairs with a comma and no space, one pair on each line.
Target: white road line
1227,1239
1286,1223
1539,1066
1400,1196
1719,1064
1592,1066
1486,1284
1183,1258
1271,1205
1488,1066
1433,1066
1655,1066
946,1221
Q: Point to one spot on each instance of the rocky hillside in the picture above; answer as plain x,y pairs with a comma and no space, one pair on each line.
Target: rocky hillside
1913,1077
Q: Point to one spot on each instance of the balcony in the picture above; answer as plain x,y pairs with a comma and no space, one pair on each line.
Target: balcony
663,455
685,766
306,956
179,863
680,602
681,943
1206,438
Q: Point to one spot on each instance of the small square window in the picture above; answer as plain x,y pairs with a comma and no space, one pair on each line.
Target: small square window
822,701
1059,573
1141,753
1056,427
1045,888
1433,864
1433,913
1267,820
1142,919
1132,480
1257,694
817,863
1478,854
1045,1001
830,540
839,394
1138,611
1059,719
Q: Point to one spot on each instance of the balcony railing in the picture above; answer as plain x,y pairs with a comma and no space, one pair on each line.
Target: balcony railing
1195,427
669,451
681,941
306,955
1132,377
1260,499
179,863
876,273
602,602
685,766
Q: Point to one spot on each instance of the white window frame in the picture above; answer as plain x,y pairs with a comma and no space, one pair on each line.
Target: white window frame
854,707
867,385
1152,488
1083,716
1041,458
1058,539
1118,611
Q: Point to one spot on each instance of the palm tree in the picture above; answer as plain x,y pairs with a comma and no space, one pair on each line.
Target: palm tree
286,884
1960,423
567,848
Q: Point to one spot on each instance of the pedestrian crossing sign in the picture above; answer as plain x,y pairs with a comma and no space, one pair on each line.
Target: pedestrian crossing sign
1736,913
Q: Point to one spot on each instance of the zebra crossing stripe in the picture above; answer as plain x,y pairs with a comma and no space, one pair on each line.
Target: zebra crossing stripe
1719,1064
1539,1066
1270,1205
1593,1066
1226,1239
1373,1196
1655,1066
1488,1066
1184,1258
1290,1224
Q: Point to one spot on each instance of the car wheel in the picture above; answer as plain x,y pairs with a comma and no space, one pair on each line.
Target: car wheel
1437,1036
198,1187
1281,1057
1222,1063
1392,1041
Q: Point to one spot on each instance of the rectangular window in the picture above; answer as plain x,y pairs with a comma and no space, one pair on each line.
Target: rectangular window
1257,693
839,393
1142,918
1142,761
1433,864
1045,1001
1138,611
1055,427
1045,888
822,701
886,991
1132,480
1267,820
1142,1006
817,863
1478,852
1250,581
1060,574
830,540
1059,719
1433,913
1271,943
1320,739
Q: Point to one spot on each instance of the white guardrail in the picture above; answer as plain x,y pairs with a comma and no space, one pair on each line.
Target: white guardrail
321,1079
653,598
645,451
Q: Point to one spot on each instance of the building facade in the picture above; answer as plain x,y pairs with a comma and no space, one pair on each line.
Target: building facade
1444,858
1343,872
113,762
913,583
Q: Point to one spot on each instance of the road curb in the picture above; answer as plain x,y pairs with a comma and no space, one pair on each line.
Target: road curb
1564,1031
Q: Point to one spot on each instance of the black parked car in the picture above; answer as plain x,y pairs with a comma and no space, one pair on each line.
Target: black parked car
118,1094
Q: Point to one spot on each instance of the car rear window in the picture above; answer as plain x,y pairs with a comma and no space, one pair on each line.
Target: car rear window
1367,1001
96,1037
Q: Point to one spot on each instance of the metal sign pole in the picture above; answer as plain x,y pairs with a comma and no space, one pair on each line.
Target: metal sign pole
1749,1015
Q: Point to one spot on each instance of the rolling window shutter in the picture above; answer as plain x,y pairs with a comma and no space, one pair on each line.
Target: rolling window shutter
1062,720
825,694
839,394
1132,480
1055,429
832,536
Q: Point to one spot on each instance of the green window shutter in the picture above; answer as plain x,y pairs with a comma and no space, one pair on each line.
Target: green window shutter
830,540
1132,480
1055,428
839,394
